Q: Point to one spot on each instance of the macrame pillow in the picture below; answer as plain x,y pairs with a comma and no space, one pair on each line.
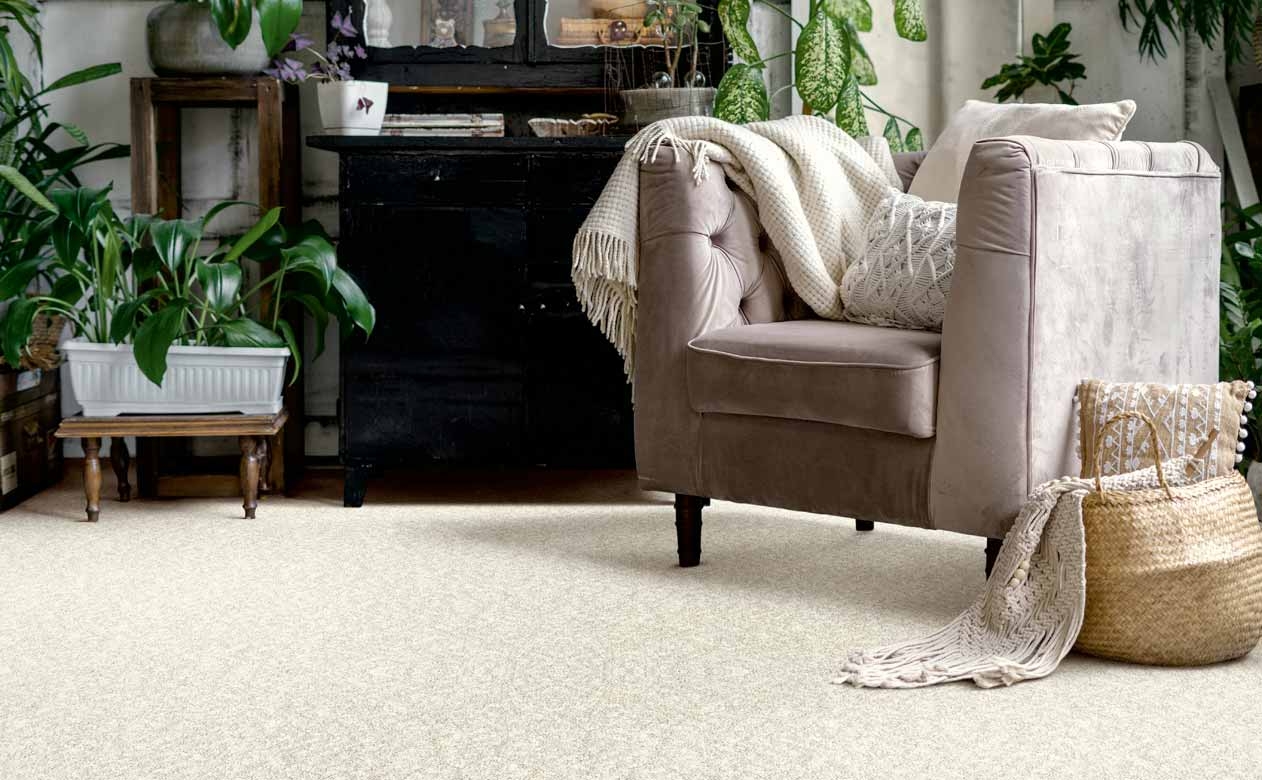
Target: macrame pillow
1183,414
904,276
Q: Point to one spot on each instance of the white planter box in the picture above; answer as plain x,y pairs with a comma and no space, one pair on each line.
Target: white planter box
107,382
352,107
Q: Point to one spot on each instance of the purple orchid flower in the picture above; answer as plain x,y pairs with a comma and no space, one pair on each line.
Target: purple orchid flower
343,25
298,42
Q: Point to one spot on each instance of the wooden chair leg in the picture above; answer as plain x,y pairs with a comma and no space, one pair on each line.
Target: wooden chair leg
120,459
92,476
265,465
250,466
688,527
864,525
992,554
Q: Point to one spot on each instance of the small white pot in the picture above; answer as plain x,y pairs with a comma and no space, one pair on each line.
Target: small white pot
352,107
107,382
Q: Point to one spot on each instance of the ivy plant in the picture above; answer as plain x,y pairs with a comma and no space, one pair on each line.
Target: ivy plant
1051,65
830,66
145,281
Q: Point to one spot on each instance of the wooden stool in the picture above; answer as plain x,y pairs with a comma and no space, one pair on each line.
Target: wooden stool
256,433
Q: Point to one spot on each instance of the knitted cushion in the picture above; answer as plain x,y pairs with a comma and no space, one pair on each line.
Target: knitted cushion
904,276
1183,415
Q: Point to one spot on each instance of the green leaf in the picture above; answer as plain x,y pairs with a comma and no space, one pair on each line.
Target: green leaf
175,241
221,282
742,96
155,337
145,263
357,306
909,20
111,261
18,323
245,332
277,20
75,132
292,342
23,185
80,205
734,16
822,62
891,134
850,114
861,66
311,255
82,77
17,278
858,12
68,289
252,235
219,208
914,141
233,18
315,307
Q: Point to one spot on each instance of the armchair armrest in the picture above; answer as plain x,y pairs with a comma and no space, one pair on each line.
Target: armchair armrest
701,268
1074,260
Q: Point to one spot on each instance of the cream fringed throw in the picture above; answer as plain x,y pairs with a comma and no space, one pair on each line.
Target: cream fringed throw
1028,617
814,186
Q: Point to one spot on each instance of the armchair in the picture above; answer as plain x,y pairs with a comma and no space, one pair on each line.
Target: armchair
1074,259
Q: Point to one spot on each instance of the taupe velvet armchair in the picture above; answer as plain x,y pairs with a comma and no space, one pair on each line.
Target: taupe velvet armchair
1074,260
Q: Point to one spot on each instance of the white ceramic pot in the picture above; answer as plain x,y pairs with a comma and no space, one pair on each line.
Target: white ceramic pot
107,382
183,40
352,107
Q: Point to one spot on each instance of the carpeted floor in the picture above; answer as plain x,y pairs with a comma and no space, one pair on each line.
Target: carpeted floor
511,626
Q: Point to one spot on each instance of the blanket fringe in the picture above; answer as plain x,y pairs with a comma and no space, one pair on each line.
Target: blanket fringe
604,274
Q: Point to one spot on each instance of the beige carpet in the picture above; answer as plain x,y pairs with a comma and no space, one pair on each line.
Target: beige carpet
501,627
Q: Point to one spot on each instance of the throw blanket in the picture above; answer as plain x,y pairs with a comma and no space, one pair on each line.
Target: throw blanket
814,186
1028,617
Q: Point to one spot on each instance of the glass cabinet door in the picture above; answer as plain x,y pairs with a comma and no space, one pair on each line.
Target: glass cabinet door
440,24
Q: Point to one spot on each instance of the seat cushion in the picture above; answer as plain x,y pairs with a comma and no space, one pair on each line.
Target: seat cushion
845,373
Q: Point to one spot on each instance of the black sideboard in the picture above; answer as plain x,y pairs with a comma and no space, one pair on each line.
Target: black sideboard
481,354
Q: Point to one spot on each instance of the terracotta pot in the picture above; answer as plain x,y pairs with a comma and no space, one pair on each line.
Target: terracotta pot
352,107
183,41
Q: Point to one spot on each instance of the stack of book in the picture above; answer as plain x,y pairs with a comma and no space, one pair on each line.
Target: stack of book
458,125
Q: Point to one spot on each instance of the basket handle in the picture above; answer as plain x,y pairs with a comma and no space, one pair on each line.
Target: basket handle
1156,448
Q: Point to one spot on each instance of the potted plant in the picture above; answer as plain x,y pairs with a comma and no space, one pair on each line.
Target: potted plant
218,37
161,327
348,106
680,89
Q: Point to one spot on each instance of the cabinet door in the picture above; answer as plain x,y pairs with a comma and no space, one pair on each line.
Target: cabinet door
417,32
442,376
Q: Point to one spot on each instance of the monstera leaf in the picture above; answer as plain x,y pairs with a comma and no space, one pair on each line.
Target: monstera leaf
742,95
909,19
734,15
850,114
822,61
859,12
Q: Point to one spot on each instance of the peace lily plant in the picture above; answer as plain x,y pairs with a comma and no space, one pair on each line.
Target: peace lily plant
830,65
144,282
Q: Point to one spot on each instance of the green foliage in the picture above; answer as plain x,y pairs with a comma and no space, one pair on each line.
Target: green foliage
145,282
1207,19
1240,298
277,21
1050,66
742,95
830,64
680,22
822,61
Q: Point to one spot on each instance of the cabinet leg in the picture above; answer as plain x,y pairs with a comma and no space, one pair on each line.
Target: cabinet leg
356,484
864,525
120,459
250,475
688,527
92,476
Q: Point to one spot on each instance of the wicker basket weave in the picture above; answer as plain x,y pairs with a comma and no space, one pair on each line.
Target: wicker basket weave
41,350
1174,575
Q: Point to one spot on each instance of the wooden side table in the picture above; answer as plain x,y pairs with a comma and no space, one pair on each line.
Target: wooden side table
155,189
256,433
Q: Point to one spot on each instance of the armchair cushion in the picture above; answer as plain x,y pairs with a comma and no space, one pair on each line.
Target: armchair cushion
843,373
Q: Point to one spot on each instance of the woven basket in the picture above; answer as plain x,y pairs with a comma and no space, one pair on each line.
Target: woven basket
1174,575
41,350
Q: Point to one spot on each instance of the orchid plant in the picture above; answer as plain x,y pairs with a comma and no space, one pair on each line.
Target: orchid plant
333,64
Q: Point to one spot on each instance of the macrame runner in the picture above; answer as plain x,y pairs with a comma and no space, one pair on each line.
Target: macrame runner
1028,617
814,187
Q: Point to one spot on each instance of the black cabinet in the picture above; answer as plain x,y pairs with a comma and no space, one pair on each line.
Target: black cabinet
481,354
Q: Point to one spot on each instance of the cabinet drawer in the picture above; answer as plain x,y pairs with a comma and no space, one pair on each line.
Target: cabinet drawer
569,179
450,179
